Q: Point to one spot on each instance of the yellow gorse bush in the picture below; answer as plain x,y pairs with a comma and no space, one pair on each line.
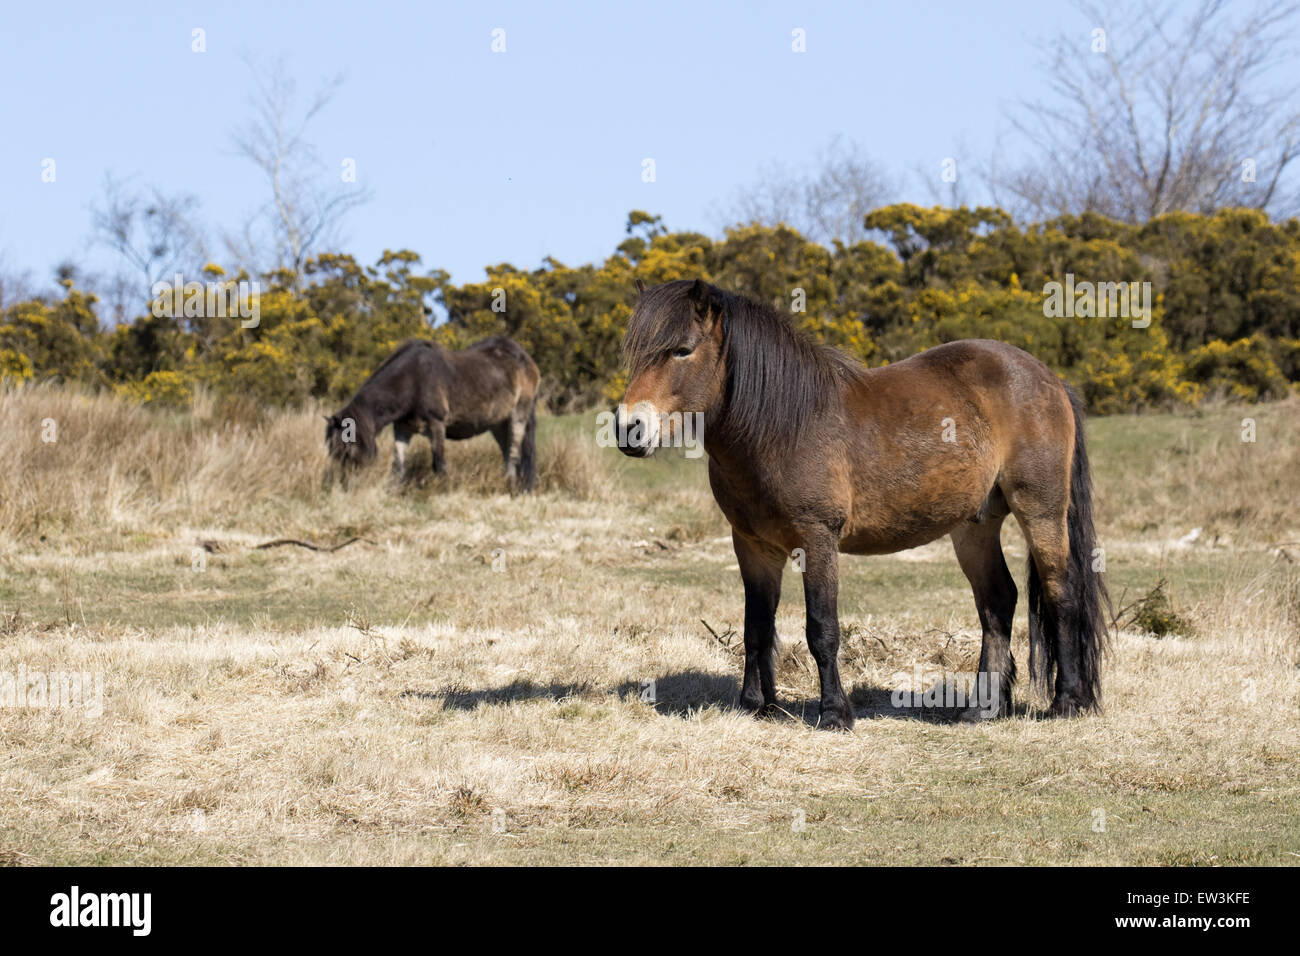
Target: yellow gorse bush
1223,291
160,389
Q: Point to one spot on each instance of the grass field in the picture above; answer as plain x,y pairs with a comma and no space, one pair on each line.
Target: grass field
465,682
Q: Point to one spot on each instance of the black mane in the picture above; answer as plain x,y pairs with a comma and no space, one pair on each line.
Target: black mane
406,348
778,379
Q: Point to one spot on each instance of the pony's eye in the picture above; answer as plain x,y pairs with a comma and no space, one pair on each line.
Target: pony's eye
682,352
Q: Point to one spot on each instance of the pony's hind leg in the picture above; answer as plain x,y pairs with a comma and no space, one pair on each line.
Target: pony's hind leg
1052,643
510,435
501,432
1049,490
979,552
518,424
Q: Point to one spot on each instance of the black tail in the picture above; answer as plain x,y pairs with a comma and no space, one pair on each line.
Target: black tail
1085,611
528,452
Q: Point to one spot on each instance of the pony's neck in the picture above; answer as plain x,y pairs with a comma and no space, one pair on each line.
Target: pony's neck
369,404
778,386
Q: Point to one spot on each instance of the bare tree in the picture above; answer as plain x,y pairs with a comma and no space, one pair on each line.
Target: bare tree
947,180
1161,109
825,202
15,286
307,202
153,233
154,236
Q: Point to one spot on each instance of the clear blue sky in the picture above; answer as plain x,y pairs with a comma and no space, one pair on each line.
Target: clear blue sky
477,158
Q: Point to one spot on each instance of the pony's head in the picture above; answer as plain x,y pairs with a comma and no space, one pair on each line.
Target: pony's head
693,348
350,439
674,353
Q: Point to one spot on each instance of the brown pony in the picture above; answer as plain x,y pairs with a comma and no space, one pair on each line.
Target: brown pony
811,454
425,388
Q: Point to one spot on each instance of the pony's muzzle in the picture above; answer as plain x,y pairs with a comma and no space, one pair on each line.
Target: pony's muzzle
638,429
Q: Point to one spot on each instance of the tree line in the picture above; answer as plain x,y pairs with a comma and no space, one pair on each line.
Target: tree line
1224,316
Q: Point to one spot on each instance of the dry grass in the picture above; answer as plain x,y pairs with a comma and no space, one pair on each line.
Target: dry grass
1181,472
465,685
76,461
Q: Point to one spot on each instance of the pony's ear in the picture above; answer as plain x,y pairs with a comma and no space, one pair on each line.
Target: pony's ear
640,286
707,301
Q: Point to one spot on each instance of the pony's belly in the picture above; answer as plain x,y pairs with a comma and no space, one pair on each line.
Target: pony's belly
459,431
464,422
890,541
884,531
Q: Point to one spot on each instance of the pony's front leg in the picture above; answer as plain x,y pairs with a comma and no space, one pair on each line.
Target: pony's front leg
437,431
401,444
761,571
821,582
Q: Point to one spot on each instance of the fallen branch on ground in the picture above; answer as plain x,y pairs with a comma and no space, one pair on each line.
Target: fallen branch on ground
308,545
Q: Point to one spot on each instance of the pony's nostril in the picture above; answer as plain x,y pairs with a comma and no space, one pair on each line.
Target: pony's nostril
626,429
636,431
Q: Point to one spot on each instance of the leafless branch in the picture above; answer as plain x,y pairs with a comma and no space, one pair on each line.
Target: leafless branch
307,203
826,202
1168,116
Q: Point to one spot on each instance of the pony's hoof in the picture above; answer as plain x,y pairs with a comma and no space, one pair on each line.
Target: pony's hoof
1066,707
975,715
836,717
759,708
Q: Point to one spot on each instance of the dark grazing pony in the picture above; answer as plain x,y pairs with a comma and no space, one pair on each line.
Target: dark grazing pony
425,388
811,454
